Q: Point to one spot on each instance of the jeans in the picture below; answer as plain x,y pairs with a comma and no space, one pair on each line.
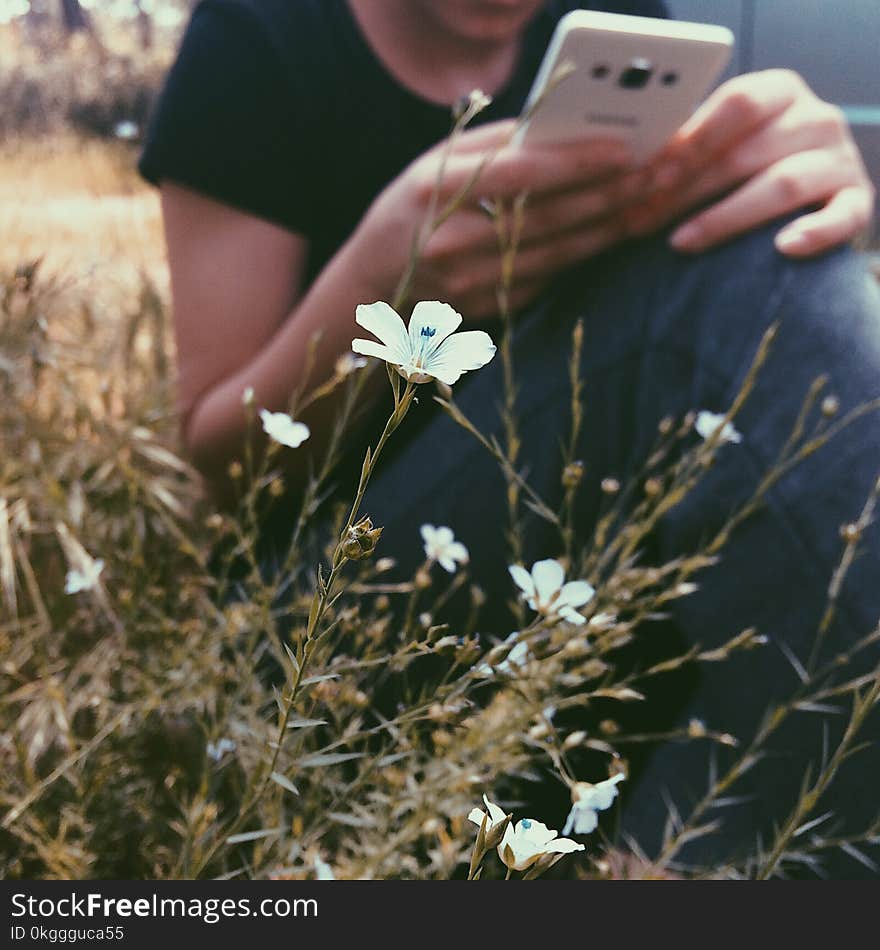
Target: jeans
663,334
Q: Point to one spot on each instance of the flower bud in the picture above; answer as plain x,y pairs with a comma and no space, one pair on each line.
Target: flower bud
830,406
572,474
422,579
574,739
850,533
653,487
361,540
665,425
696,729
611,486
235,470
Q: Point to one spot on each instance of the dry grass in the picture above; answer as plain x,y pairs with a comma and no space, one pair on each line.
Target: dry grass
114,699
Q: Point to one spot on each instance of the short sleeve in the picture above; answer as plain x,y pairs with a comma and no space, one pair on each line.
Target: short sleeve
226,121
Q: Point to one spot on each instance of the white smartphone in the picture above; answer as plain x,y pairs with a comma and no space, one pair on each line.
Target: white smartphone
610,76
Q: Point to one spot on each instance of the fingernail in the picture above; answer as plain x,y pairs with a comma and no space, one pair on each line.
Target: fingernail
687,237
791,241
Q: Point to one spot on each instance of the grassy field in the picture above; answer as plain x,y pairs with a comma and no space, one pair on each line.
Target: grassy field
167,711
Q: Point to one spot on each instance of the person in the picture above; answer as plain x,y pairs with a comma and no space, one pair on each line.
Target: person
296,145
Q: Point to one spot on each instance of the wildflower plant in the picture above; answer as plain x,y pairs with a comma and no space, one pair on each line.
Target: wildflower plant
190,713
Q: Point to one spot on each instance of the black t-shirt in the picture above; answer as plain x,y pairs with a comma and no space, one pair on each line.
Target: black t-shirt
280,108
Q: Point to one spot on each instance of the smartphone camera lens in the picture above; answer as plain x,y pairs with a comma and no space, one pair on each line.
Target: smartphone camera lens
637,74
669,79
602,71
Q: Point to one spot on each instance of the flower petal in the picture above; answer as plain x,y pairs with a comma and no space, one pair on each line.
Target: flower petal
602,794
444,536
458,552
384,322
459,354
428,531
572,616
522,579
477,816
549,577
372,348
576,594
581,819
431,322
563,846
496,813
534,831
282,428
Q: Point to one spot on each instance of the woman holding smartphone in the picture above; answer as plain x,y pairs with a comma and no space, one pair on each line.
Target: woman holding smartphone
296,147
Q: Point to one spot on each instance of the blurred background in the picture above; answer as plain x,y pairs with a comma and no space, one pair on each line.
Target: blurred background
78,79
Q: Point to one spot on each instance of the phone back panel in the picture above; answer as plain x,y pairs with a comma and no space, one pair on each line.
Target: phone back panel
633,78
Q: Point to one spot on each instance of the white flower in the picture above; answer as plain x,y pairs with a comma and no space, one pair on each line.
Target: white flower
323,871
494,816
441,546
518,656
588,800
348,363
126,130
280,427
602,621
528,840
429,349
546,591
216,750
85,579
708,423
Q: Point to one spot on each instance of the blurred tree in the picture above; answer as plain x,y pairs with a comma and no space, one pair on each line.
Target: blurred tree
74,18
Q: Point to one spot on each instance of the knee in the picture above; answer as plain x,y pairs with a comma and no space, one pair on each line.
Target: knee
719,304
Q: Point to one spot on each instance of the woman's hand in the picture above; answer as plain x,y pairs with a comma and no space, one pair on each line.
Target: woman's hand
770,146
575,193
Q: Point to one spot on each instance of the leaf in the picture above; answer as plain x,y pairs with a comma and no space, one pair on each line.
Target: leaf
796,664
857,855
305,723
311,680
623,693
292,658
812,824
389,759
254,835
353,821
284,782
328,758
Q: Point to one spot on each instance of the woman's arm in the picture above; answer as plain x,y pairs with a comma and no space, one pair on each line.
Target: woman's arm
241,317
241,321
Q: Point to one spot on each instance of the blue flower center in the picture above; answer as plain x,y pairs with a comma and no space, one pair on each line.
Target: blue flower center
428,331
526,823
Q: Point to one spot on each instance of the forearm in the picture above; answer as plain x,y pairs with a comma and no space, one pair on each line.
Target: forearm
322,324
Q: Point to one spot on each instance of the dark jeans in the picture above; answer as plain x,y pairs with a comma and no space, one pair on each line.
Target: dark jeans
664,334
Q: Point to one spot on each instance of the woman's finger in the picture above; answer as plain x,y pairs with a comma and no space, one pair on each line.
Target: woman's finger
511,171
796,130
847,214
733,112
797,181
